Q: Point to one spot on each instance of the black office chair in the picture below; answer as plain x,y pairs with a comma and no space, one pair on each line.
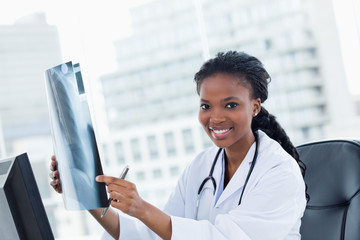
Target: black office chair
333,180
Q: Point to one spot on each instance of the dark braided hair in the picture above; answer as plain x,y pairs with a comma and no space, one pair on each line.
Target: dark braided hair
252,74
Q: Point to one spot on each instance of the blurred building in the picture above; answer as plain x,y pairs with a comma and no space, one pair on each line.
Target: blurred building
27,48
357,104
2,142
151,103
348,128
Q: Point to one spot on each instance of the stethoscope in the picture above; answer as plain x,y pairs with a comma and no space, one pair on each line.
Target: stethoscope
212,179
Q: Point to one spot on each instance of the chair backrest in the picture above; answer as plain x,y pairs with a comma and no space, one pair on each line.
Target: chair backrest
333,183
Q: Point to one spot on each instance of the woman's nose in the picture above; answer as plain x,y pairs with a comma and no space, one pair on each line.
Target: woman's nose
217,116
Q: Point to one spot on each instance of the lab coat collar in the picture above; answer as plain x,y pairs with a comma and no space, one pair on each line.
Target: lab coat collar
238,180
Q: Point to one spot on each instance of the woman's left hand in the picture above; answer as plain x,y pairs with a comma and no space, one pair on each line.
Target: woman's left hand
124,196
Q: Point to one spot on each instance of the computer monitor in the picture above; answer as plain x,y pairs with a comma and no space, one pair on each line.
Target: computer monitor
22,213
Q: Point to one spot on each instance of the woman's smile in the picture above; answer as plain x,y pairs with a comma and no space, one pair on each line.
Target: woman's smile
220,133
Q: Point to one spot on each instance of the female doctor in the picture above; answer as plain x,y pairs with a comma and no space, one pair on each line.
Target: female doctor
250,186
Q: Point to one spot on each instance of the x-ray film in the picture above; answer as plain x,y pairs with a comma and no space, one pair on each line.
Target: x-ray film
74,140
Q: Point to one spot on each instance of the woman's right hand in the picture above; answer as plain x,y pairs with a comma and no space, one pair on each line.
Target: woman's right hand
54,175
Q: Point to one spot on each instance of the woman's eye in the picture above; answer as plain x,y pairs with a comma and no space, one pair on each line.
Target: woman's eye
231,105
204,106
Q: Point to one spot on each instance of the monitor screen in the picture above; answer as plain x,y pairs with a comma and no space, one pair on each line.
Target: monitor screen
22,211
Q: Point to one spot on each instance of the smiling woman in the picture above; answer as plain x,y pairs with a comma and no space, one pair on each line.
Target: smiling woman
163,51
226,111
258,165
232,88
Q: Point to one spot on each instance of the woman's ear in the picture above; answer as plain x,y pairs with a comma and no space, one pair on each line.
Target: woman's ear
256,106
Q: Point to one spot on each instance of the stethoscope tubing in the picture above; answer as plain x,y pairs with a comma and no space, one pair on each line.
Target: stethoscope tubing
212,179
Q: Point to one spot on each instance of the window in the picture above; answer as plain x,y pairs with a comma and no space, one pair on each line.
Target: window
268,44
314,72
305,132
105,154
39,168
174,171
205,139
321,110
135,148
119,150
320,130
170,144
152,145
160,193
157,173
188,141
140,176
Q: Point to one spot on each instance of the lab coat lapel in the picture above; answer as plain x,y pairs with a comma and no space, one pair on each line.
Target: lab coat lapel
238,180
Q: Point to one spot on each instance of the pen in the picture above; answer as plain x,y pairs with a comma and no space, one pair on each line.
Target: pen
122,176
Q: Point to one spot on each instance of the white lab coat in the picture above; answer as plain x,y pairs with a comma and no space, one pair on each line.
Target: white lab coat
271,208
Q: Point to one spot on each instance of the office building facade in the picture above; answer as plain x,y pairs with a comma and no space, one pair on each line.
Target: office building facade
27,48
151,99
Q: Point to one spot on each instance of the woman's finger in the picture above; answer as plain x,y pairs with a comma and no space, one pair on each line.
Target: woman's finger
53,163
116,196
111,180
121,202
54,174
56,185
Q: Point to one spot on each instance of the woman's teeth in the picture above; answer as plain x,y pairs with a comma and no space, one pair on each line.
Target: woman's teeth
220,131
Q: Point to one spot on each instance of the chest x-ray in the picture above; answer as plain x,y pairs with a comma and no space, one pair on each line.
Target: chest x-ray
74,140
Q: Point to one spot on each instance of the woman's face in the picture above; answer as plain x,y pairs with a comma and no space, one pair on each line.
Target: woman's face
226,110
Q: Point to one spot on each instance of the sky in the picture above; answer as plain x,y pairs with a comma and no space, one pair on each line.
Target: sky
347,14
88,28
